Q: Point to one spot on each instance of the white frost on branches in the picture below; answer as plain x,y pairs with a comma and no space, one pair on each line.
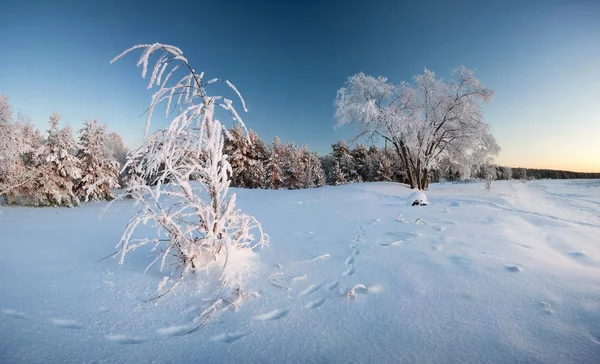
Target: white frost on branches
99,174
426,121
181,180
56,167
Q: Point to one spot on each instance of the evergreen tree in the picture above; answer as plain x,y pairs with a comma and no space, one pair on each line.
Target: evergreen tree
341,153
274,173
58,168
336,177
253,174
237,149
315,177
327,163
372,164
360,156
99,174
292,167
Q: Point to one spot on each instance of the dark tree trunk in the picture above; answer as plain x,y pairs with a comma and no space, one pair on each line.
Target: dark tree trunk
410,172
425,180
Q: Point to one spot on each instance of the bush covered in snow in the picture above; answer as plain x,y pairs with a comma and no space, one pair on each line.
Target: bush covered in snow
417,198
202,234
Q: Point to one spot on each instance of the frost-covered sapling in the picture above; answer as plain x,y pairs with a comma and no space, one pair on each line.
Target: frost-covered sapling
197,222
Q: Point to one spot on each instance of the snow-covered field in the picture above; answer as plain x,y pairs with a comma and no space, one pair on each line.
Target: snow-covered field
505,276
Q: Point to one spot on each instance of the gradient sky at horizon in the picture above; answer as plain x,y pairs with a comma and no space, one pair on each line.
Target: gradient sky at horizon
542,59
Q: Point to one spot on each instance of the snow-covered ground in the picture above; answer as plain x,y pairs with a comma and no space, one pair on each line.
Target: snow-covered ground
508,275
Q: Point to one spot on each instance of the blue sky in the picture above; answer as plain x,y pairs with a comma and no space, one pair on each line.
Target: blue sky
288,59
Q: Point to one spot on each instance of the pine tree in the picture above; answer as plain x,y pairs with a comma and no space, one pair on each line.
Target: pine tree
237,148
372,164
337,177
274,165
254,171
292,167
99,174
360,155
58,168
341,153
313,175
17,138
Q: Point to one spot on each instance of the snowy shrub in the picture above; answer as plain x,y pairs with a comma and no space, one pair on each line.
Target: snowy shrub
417,199
99,175
197,222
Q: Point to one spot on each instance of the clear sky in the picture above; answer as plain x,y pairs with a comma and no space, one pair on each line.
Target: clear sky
542,58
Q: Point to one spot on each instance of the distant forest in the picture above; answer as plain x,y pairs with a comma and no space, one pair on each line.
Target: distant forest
533,173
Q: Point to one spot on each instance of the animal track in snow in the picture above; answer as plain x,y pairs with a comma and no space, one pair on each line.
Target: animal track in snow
13,313
315,303
579,255
350,260
175,330
394,243
333,285
513,268
298,278
320,257
402,234
350,271
312,289
354,245
67,324
124,339
272,315
227,338
546,307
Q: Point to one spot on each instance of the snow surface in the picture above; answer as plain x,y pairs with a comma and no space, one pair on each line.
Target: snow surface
507,275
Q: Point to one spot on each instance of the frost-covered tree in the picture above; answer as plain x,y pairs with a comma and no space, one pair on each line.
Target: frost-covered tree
197,222
360,156
313,175
293,170
424,121
114,148
57,168
237,149
342,155
10,144
385,172
99,174
506,173
372,164
259,153
15,145
336,176
247,156
274,165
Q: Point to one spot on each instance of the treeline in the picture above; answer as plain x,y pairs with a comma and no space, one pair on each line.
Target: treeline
54,169
534,173
256,164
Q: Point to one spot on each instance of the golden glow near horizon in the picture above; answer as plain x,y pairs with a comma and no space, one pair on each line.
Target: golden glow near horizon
545,144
